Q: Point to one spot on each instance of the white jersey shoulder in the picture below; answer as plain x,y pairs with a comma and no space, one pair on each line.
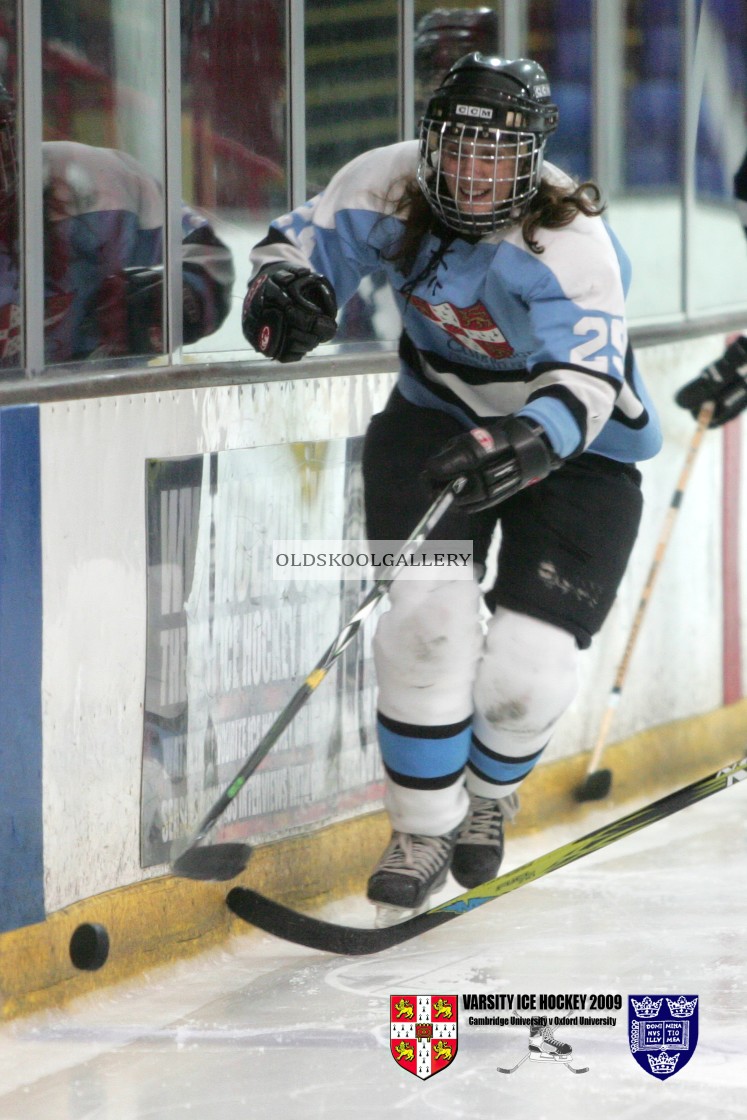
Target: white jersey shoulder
580,257
372,181
81,179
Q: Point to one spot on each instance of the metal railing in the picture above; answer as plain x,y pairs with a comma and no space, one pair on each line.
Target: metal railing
84,382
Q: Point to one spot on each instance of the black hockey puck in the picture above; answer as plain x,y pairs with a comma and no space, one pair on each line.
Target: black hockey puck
595,787
89,947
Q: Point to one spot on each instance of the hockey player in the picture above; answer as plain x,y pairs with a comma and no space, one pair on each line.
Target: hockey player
515,369
103,246
724,381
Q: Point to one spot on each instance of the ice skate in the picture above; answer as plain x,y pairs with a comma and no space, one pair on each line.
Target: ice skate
411,868
544,1047
478,851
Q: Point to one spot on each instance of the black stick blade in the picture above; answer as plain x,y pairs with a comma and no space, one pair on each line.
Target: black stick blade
302,929
217,863
595,786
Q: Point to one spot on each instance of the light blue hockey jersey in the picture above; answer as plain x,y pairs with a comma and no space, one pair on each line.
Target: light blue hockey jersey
493,328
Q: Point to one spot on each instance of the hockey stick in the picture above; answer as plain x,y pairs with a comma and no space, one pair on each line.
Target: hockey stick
330,938
596,783
226,861
512,1069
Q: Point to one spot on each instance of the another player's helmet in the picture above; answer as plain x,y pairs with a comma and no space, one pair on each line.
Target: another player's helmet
445,35
8,161
482,141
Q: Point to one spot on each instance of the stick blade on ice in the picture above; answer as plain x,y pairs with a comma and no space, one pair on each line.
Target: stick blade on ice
314,933
216,863
303,929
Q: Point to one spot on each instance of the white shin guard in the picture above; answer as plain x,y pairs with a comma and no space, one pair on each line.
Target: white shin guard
526,680
426,651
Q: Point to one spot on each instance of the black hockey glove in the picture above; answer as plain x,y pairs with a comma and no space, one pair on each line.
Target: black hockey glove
288,310
724,382
130,308
496,462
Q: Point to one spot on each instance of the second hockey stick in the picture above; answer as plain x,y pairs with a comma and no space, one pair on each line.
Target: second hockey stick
225,861
596,783
303,929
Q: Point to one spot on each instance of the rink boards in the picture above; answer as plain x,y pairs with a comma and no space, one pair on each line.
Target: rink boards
144,646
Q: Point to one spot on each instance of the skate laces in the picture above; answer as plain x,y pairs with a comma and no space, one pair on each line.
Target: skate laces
483,823
410,853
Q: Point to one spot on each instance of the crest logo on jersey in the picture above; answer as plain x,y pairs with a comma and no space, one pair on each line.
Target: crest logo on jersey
662,1032
55,310
423,1033
10,331
472,327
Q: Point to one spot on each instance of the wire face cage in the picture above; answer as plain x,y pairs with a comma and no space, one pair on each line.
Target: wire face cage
478,179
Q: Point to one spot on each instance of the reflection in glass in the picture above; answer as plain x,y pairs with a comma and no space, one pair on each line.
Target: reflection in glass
351,83
103,243
234,120
10,310
442,36
103,162
351,107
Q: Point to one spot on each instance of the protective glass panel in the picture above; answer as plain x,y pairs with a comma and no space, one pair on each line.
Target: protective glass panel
103,180
11,338
560,39
442,36
351,107
645,205
234,155
718,257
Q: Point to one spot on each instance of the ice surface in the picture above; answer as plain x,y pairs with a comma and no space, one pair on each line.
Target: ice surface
265,1029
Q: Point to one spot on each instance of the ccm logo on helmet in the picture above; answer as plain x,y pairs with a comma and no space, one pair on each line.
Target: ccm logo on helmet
474,111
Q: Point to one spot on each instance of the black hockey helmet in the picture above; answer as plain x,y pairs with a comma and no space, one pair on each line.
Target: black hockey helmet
447,34
491,117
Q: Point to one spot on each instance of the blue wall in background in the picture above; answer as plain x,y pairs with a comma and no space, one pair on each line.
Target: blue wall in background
21,852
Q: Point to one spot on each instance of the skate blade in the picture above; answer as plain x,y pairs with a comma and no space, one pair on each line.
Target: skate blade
387,916
550,1058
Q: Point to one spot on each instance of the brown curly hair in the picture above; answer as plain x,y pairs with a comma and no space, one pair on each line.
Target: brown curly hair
552,207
